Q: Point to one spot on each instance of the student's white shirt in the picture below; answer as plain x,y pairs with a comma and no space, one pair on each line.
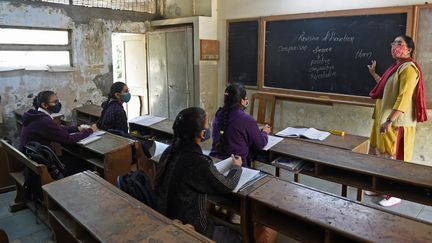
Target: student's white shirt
44,111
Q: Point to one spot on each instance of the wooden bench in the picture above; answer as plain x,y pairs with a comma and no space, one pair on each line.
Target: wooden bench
397,178
85,208
17,161
6,181
309,215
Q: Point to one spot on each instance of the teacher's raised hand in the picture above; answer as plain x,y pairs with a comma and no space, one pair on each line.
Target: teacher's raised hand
372,70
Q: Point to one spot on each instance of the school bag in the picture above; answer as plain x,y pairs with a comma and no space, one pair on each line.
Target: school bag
43,154
137,184
40,154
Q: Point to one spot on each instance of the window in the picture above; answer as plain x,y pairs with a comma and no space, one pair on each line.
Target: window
145,6
34,49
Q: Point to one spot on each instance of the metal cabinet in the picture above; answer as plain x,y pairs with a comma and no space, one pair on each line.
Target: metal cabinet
170,71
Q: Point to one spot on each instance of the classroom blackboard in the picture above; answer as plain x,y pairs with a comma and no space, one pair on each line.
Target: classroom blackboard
243,52
329,54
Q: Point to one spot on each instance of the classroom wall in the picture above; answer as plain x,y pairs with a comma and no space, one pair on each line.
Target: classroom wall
91,54
353,119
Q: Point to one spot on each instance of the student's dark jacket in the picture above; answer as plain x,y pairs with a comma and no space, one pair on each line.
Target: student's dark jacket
40,127
184,178
113,117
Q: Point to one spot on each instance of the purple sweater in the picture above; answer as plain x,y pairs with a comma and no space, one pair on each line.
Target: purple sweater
241,135
39,127
113,117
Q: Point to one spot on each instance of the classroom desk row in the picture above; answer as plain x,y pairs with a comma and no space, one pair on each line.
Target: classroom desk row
310,215
85,208
344,160
111,155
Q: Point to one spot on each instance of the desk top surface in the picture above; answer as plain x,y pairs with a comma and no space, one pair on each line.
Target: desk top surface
164,126
363,163
91,109
348,142
21,111
330,211
108,143
113,216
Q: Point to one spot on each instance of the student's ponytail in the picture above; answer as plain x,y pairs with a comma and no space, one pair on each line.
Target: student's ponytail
233,95
116,87
42,97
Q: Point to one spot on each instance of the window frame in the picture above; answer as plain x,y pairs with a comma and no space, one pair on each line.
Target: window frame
38,47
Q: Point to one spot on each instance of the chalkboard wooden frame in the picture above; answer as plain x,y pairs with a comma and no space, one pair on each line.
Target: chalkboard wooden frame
421,48
259,36
318,97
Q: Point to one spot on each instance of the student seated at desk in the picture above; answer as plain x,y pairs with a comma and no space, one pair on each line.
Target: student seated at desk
114,119
234,131
39,126
184,177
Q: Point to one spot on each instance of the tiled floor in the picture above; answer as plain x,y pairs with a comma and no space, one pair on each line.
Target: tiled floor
22,226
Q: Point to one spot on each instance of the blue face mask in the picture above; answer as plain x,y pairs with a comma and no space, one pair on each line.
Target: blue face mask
206,134
126,97
55,108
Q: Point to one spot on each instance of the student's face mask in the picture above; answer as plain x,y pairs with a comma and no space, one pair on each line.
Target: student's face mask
246,103
55,108
126,97
206,134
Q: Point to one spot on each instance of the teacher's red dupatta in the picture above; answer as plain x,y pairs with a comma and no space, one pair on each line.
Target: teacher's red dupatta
378,91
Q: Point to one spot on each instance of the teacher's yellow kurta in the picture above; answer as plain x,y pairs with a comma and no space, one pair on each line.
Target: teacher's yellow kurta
399,94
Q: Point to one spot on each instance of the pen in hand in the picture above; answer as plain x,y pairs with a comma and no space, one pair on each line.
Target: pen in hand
237,160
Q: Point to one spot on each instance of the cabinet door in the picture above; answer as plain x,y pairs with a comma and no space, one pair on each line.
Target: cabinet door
179,70
157,74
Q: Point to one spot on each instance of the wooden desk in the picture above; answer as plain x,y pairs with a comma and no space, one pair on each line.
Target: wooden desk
348,142
85,208
309,215
397,178
111,155
18,117
88,114
162,131
239,203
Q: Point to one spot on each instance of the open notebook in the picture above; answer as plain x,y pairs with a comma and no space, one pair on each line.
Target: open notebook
247,174
93,137
310,133
146,120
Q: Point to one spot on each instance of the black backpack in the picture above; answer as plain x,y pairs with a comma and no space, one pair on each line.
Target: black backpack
137,184
43,154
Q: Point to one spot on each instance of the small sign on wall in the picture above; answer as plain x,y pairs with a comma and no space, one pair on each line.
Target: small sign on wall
209,49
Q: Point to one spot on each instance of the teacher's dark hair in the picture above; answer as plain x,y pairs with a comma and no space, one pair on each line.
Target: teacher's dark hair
410,43
233,95
189,123
42,97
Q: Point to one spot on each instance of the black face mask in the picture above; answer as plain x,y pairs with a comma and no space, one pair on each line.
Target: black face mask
55,108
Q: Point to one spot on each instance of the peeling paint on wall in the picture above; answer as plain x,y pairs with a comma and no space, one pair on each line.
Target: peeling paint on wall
91,57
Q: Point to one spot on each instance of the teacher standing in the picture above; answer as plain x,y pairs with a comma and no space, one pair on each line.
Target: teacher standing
399,105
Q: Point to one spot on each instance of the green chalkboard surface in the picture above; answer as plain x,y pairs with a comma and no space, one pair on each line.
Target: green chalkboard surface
329,54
